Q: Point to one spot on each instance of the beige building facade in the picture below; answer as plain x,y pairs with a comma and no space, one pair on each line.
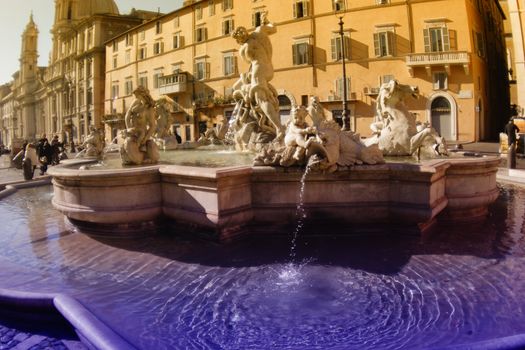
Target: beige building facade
515,40
454,51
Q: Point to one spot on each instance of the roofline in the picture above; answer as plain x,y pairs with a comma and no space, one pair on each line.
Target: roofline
180,9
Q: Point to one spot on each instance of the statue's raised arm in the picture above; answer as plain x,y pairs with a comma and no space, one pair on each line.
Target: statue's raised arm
266,26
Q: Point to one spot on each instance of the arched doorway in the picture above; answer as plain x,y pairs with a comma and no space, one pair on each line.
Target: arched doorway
443,116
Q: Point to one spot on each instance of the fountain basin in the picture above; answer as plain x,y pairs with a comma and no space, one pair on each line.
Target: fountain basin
230,201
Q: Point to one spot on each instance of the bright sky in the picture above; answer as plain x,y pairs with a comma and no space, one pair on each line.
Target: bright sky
15,15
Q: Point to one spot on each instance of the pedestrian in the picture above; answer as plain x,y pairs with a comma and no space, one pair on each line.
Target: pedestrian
45,153
511,129
55,150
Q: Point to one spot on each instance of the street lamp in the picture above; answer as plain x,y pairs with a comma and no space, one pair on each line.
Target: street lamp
340,7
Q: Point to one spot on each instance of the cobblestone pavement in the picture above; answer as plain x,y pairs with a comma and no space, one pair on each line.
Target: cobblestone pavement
16,339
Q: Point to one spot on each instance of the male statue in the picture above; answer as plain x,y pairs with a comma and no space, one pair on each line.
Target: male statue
256,49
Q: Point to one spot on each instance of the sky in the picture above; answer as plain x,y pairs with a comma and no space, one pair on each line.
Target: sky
14,17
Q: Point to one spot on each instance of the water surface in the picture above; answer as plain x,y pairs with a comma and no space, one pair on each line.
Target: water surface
457,285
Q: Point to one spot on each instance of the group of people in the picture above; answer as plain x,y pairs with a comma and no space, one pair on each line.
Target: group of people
48,152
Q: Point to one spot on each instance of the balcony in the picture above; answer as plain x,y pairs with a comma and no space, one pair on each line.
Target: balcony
444,59
173,83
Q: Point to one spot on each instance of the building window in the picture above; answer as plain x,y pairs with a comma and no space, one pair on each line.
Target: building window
114,91
211,8
201,34
115,46
90,38
142,35
158,27
158,48
337,47
129,39
381,2
229,64
301,54
479,44
257,18
339,88
115,62
128,86
127,57
156,79
227,26
176,22
89,96
440,80
198,12
142,53
89,68
143,81
300,9
178,41
384,43
201,70
436,39
227,5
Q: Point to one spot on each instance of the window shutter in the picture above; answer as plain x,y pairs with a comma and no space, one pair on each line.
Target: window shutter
390,40
334,49
347,47
161,47
377,46
205,33
295,54
426,36
224,24
348,86
295,4
309,52
231,25
207,73
306,8
235,69
196,71
453,40
446,39
253,19
339,87
181,41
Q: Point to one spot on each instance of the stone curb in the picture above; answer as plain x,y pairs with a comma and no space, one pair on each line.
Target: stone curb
91,331
11,187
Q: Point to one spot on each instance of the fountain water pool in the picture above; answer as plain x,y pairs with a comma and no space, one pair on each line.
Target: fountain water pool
458,285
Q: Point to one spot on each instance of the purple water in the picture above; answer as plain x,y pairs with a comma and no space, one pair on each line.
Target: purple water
458,285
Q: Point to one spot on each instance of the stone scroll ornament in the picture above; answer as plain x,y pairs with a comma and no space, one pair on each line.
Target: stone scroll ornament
141,124
396,131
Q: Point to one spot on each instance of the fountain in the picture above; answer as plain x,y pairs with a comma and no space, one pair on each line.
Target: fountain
375,288
350,184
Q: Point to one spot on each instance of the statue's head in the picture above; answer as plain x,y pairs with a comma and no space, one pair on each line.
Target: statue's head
240,34
397,91
299,115
141,91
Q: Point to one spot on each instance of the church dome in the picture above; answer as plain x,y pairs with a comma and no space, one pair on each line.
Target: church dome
88,8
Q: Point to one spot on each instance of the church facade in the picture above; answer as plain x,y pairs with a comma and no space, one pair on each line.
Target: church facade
67,96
